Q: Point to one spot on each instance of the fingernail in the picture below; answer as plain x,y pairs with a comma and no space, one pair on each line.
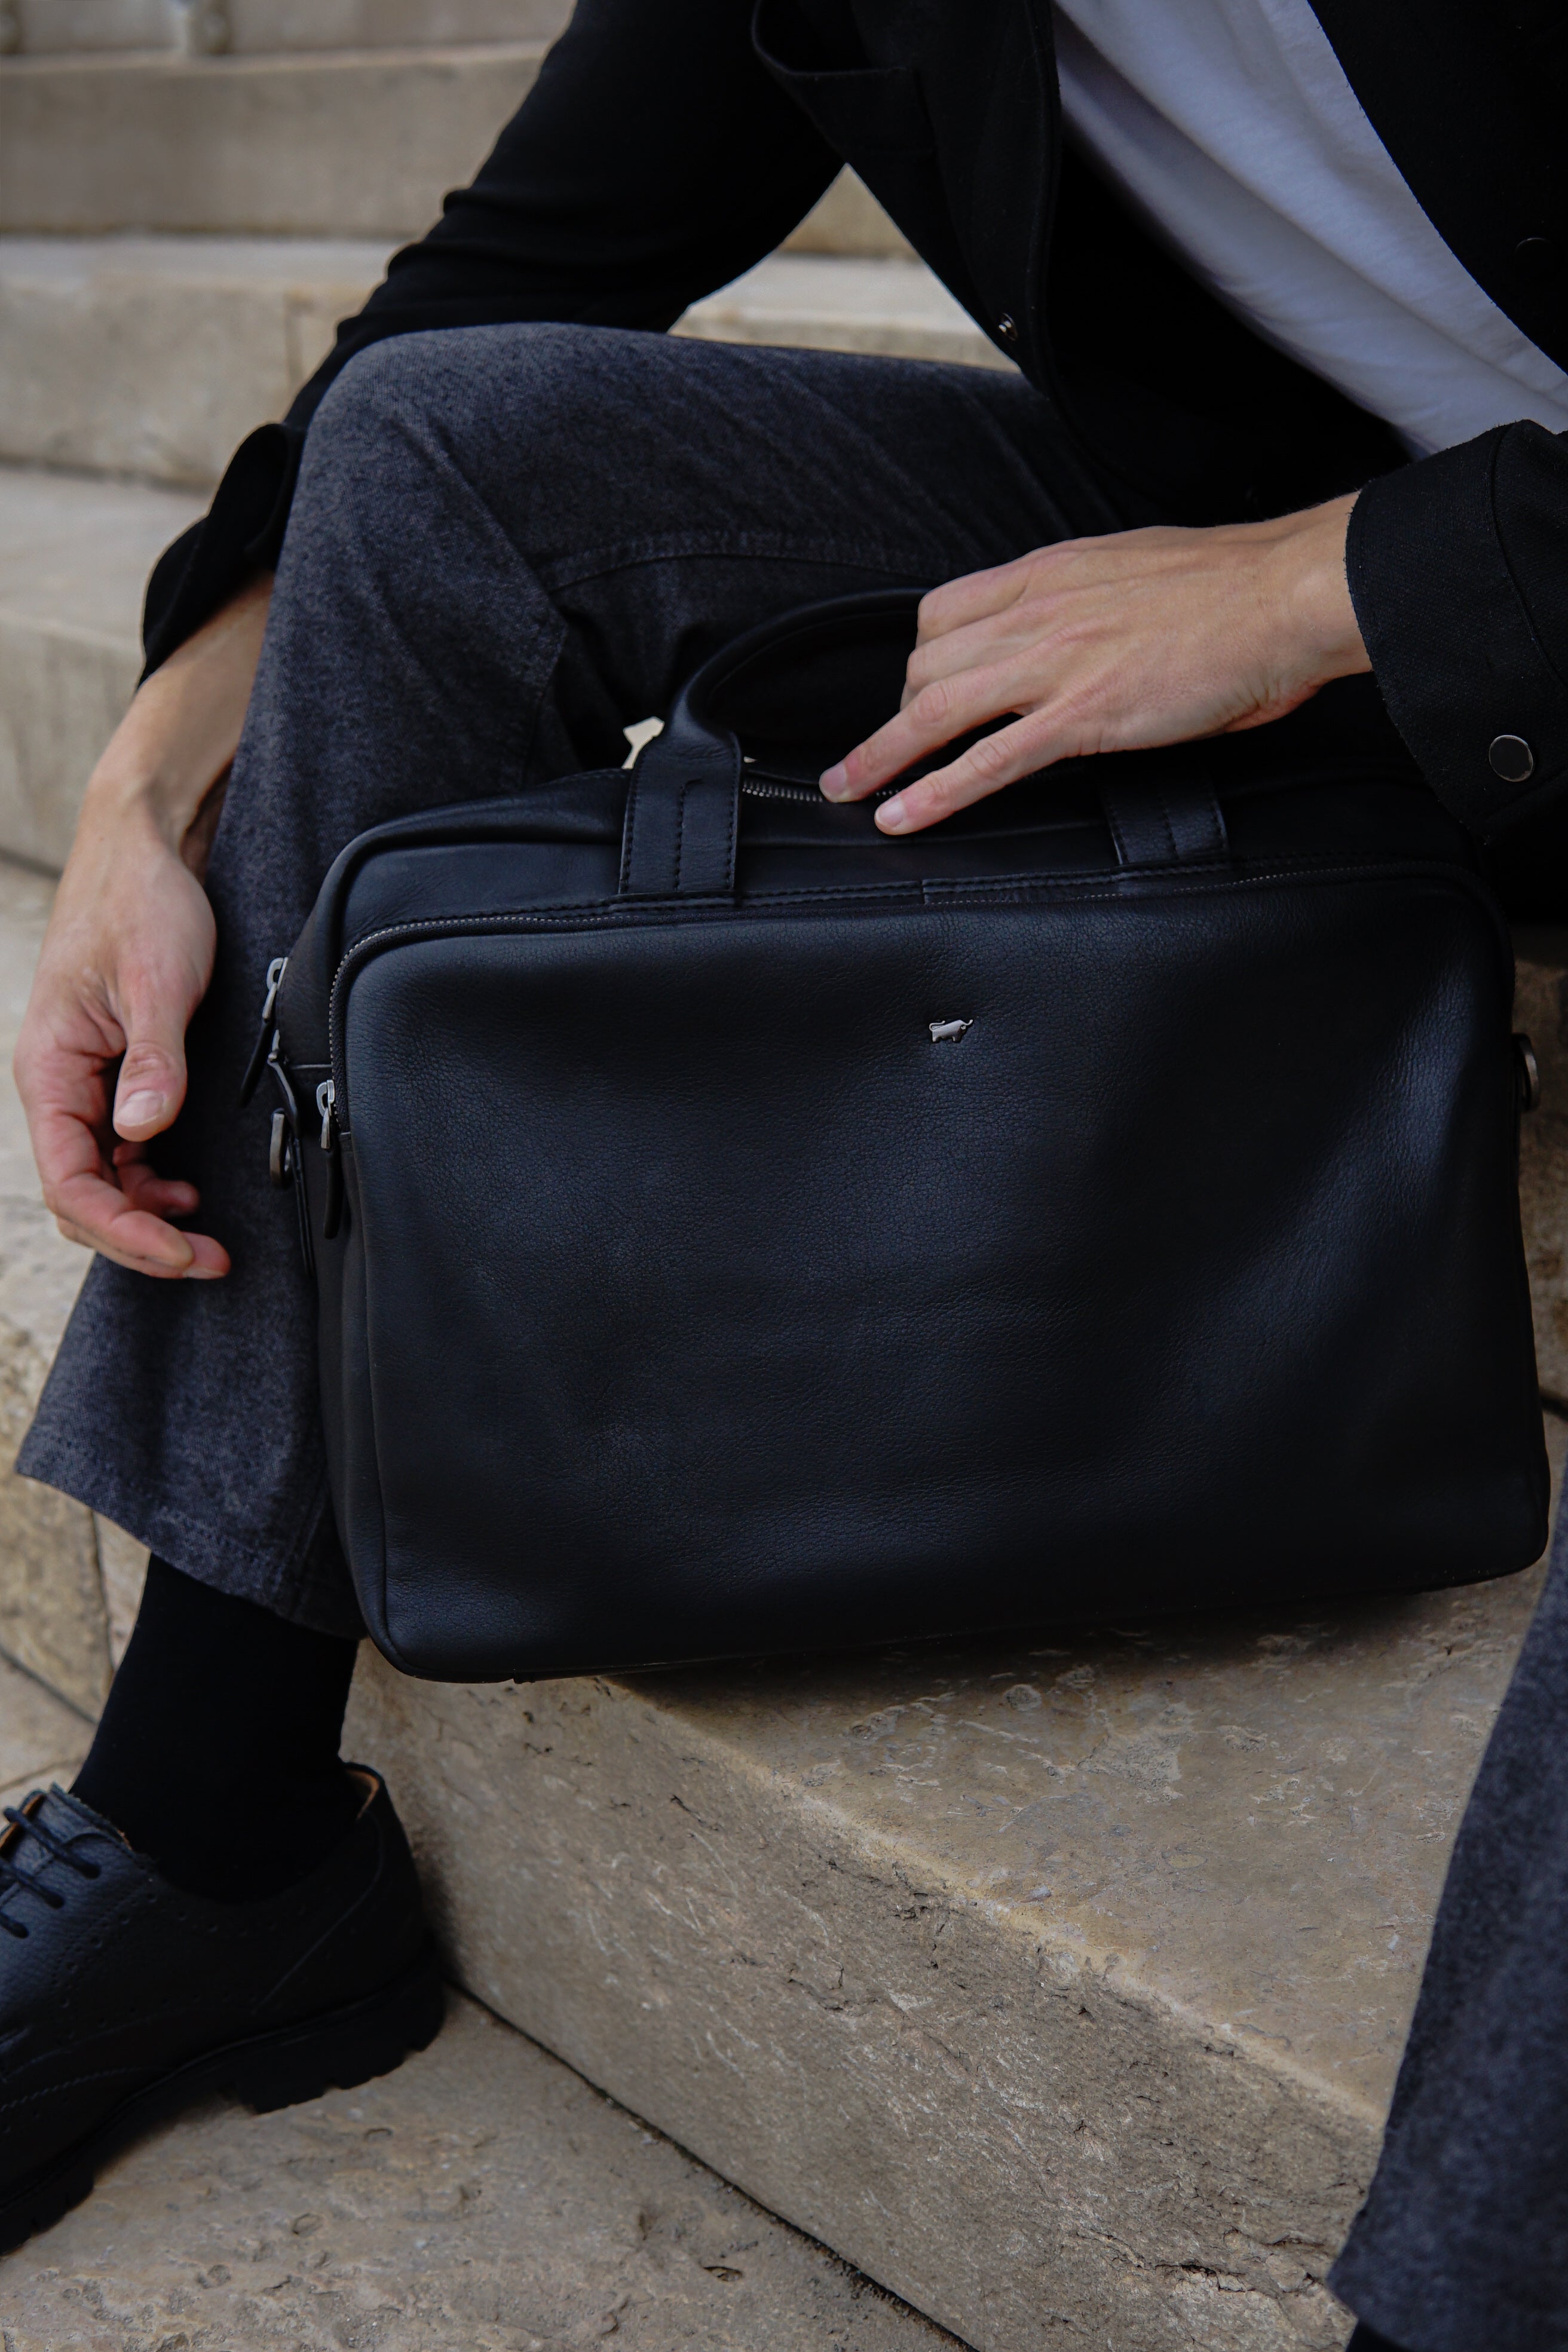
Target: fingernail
835,782
892,816
137,1108
203,1274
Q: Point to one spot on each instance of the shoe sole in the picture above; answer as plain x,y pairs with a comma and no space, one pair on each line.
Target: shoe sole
336,2050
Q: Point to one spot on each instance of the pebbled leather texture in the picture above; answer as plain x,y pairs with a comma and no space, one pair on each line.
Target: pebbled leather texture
130,1978
1106,1201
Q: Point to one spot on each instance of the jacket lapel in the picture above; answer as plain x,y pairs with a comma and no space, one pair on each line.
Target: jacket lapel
948,110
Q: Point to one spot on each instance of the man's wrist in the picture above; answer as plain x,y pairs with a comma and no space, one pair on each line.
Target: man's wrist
1325,639
127,795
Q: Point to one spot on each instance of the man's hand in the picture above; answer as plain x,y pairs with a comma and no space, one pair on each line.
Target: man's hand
129,953
1109,645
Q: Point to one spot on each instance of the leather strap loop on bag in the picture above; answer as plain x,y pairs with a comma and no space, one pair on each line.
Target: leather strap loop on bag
683,806
683,802
682,812
1161,819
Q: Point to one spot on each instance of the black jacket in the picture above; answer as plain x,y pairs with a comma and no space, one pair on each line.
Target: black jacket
665,149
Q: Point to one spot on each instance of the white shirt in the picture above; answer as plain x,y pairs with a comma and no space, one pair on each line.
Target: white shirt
1230,127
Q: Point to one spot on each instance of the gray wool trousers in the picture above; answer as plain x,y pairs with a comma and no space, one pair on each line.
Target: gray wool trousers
506,544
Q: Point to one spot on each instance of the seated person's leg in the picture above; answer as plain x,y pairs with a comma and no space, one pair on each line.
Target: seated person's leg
507,544
1460,2243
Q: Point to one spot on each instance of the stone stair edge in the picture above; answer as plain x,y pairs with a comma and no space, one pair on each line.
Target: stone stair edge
285,142
354,142
213,70
904,1857
702,1891
236,28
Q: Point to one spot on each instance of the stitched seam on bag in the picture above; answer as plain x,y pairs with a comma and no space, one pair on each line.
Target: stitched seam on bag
680,831
591,914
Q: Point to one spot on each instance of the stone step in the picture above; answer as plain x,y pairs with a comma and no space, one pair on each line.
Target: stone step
74,559
253,27
481,2195
832,304
54,1622
153,356
1058,1982
323,142
482,2198
356,142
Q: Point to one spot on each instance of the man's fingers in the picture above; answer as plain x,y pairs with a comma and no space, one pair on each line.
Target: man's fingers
164,1196
151,1076
90,1209
1021,749
985,642
978,593
208,1261
946,708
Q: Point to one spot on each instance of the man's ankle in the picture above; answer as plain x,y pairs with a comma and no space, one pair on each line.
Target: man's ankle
216,1753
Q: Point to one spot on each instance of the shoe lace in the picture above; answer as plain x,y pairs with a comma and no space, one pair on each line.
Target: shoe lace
26,1882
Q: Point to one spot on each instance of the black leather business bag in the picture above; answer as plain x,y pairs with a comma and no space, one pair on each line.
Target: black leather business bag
736,1229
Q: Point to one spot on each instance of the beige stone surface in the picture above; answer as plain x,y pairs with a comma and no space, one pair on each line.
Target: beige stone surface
42,25
1055,1982
41,1739
833,303
154,356
481,2200
74,559
848,219
251,27
51,1606
340,143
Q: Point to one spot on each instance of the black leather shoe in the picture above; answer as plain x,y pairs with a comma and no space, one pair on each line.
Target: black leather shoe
124,1998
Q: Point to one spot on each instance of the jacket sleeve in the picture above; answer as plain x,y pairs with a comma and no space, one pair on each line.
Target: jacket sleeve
1458,573
653,161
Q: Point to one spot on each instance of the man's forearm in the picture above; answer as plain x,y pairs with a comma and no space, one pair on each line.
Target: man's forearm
183,728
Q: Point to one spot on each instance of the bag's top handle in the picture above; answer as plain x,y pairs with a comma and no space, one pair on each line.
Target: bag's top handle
683,802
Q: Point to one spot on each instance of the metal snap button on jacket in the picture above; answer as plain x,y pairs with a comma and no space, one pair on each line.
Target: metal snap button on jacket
1511,758
1007,327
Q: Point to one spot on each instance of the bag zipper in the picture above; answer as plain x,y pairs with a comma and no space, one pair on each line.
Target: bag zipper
267,1041
782,788
326,1104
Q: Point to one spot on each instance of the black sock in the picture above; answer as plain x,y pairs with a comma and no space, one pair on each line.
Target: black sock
217,1754
1367,2339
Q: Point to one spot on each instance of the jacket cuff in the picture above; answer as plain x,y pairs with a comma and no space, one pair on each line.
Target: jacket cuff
1451,562
241,534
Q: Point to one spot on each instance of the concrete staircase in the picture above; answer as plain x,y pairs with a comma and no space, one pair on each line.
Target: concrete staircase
1056,1984
181,230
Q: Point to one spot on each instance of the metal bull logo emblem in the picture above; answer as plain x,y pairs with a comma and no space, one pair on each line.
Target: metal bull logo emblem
948,1033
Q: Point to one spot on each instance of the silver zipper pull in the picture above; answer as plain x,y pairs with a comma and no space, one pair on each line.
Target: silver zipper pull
266,1042
332,1215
